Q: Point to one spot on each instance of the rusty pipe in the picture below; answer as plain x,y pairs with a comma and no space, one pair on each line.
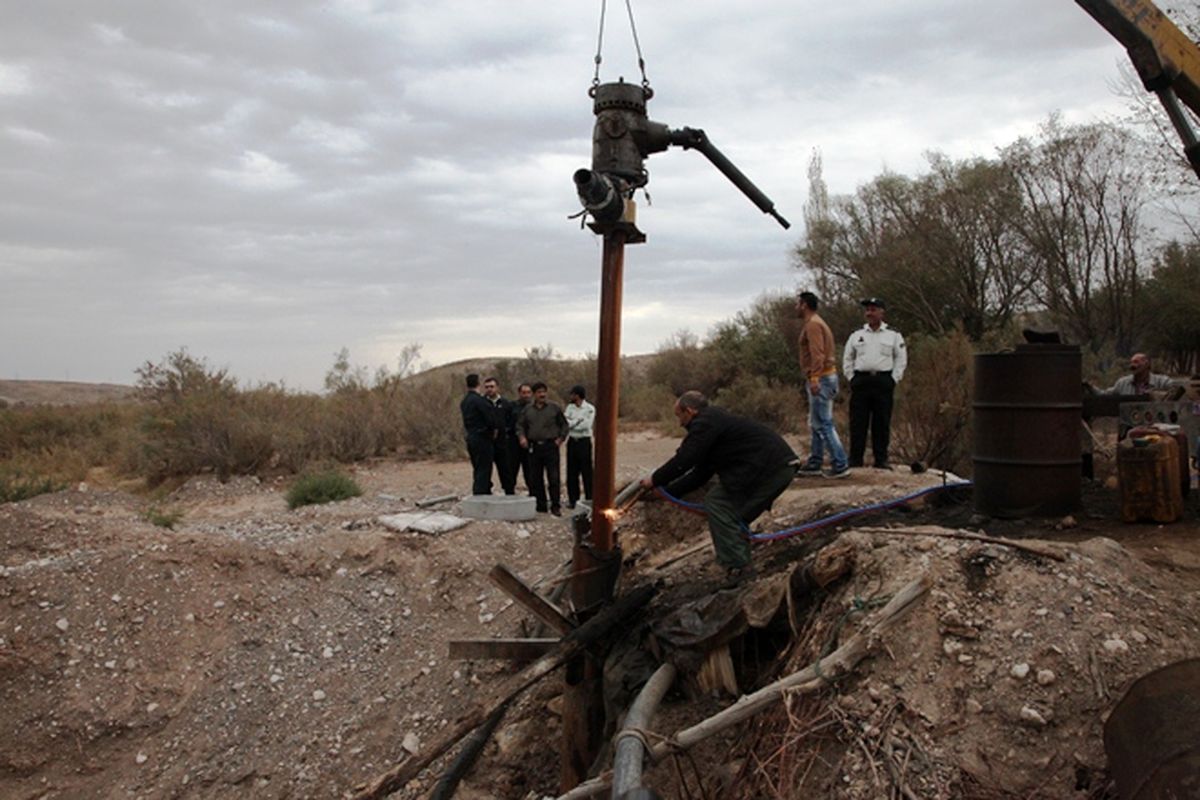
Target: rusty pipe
608,388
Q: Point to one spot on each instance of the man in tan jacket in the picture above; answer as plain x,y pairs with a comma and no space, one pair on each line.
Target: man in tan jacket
818,363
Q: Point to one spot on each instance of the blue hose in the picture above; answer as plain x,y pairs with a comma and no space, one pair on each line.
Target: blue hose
817,523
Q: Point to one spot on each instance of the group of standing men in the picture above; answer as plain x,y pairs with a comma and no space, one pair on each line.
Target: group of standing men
873,361
525,436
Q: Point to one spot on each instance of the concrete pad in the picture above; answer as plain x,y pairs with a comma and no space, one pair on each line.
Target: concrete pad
431,522
504,507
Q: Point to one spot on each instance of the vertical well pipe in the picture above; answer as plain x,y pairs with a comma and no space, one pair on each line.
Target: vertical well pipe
608,390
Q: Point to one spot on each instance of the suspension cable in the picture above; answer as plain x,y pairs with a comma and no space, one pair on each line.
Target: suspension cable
599,44
637,45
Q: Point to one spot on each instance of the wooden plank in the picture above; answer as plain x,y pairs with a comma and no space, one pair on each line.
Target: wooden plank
539,606
598,627
510,649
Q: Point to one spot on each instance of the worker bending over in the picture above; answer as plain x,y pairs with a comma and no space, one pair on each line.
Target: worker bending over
753,465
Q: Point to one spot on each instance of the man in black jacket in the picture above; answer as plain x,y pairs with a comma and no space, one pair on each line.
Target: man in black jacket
753,465
506,420
479,423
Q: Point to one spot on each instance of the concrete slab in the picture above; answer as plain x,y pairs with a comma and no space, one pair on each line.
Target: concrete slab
504,507
431,522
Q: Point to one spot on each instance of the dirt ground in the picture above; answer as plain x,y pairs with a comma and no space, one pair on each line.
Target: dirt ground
255,651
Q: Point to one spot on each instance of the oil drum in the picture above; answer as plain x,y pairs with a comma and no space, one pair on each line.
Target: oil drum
1152,736
1027,419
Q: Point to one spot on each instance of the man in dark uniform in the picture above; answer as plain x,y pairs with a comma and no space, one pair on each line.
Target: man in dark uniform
505,458
479,423
542,429
519,455
753,465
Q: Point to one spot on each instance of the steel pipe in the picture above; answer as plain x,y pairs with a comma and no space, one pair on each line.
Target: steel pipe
630,750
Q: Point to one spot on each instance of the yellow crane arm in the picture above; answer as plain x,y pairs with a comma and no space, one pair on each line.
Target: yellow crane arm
1166,60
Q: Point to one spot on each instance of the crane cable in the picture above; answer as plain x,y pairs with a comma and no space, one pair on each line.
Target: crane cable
636,44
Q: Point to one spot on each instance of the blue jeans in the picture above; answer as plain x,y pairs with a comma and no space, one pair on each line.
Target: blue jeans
820,419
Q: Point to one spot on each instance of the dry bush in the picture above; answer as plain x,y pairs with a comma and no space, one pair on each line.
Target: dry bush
648,403
682,364
45,447
931,421
777,406
295,422
215,431
429,420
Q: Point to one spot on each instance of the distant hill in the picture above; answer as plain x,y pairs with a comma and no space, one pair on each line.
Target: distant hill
62,393
482,366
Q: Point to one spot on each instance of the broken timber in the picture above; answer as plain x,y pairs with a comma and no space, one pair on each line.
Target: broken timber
807,680
574,643
539,606
1034,548
505,649
516,649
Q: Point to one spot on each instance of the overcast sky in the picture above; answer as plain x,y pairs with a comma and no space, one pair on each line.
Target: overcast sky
267,182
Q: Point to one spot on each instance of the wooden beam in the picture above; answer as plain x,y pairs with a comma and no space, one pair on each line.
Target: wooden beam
510,649
539,606
599,627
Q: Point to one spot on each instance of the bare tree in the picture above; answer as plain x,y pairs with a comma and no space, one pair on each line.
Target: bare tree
1084,197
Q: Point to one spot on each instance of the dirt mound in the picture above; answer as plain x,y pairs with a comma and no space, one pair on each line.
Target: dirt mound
257,651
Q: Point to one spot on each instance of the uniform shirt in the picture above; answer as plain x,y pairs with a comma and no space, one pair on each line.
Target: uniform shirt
539,424
816,349
880,350
580,419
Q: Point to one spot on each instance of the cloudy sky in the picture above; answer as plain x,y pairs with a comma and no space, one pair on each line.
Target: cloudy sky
265,183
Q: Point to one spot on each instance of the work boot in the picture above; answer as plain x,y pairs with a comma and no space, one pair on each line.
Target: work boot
737,576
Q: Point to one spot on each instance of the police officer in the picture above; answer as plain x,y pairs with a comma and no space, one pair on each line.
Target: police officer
873,362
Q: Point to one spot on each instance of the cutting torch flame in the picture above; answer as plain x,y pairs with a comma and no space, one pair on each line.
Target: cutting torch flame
611,513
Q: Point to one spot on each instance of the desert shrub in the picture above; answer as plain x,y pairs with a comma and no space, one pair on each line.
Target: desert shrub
296,420
778,406
216,431
682,364
61,444
163,517
648,403
760,341
429,420
931,420
17,484
40,429
326,486
352,426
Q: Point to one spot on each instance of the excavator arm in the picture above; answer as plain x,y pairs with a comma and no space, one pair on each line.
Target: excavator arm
1166,60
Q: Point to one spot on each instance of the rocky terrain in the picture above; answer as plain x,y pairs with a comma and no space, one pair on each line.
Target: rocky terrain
256,651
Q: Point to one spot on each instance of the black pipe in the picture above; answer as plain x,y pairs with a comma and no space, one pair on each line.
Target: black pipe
695,139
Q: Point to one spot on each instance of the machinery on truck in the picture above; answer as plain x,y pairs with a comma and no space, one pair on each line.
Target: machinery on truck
1166,60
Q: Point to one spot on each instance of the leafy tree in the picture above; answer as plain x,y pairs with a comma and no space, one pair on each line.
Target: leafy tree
1171,299
942,248
760,341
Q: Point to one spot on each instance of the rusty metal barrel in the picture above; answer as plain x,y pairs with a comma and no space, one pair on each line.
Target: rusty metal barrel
1152,736
1027,412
